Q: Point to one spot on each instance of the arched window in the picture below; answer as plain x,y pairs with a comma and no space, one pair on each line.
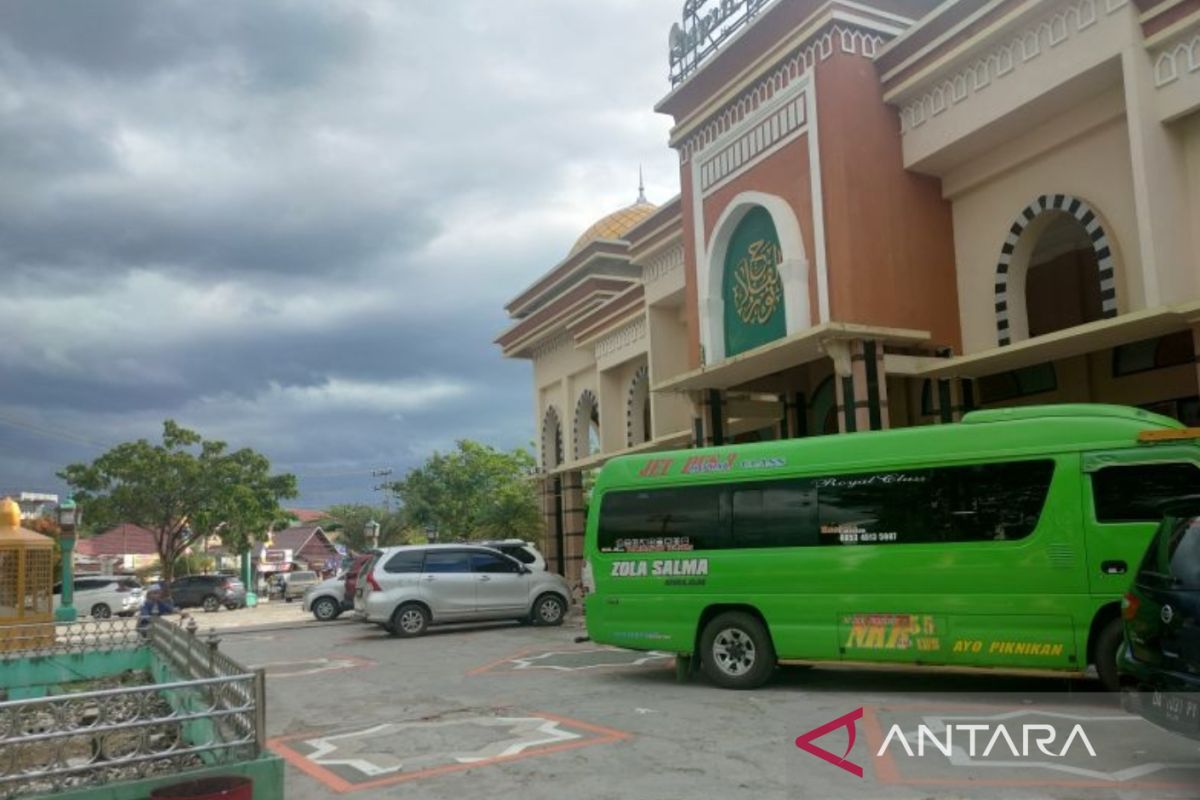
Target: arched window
587,425
1056,270
552,446
637,414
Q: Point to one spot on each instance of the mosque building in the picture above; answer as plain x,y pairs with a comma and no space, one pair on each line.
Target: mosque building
891,212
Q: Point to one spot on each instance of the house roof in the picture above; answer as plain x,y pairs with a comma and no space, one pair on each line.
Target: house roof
306,516
295,538
124,539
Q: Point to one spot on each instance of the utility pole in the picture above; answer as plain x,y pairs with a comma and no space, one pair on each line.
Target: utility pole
384,487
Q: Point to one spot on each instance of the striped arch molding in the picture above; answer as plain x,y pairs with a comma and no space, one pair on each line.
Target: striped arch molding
583,419
1091,223
552,454
633,406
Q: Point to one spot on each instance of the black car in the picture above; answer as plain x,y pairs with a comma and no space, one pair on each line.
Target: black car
1159,665
210,592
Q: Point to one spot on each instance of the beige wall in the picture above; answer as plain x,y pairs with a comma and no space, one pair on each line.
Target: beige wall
670,412
1094,166
1189,132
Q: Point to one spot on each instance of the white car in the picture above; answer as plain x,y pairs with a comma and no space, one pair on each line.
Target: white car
519,549
411,587
327,599
102,596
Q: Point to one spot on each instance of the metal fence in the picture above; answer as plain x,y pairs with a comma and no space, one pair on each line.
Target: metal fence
214,715
86,636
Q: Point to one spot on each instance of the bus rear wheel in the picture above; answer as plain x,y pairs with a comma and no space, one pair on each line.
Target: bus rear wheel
736,651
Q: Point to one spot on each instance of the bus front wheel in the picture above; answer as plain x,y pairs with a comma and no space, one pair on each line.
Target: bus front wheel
736,651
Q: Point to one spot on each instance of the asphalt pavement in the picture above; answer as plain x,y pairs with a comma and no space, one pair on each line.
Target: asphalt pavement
503,710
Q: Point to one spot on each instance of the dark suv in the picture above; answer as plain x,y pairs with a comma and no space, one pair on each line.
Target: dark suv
210,592
1159,665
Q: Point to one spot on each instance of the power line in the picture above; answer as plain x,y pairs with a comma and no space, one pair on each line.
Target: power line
52,433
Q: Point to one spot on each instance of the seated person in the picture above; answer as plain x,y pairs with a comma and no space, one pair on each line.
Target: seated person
156,605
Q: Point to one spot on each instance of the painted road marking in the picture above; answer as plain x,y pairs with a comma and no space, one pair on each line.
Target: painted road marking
352,759
312,666
574,660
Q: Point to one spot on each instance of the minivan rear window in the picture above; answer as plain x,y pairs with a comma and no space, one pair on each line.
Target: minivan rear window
405,561
1174,555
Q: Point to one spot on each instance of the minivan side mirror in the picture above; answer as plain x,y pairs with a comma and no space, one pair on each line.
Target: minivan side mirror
525,570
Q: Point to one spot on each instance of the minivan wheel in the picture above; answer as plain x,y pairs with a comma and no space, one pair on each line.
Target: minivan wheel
211,603
325,609
410,619
101,611
549,610
736,651
1108,645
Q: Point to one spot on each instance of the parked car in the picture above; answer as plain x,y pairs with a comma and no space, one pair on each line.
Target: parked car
102,596
327,599
411,587
1159,666
209,592
521,550
295,584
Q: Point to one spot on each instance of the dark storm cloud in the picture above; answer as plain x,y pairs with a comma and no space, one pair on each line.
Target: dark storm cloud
293,225
278,44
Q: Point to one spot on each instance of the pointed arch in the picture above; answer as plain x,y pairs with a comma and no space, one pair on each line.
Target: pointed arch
1017,251
637,416
586,428
552,444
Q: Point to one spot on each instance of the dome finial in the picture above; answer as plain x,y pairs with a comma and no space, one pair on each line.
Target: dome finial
641,187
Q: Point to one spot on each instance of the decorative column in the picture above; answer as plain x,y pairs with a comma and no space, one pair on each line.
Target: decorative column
574,518
550,524
710,424
68,519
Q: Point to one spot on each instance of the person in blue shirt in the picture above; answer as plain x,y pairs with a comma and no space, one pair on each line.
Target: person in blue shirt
155,605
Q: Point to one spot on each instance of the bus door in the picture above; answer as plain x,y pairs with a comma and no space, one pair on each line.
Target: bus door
1123,495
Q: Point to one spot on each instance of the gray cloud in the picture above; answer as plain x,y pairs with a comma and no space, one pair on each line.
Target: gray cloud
293,223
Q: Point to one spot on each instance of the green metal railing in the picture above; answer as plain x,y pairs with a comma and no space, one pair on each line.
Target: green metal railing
202,709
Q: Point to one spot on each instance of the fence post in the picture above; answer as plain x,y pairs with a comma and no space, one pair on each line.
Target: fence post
260,711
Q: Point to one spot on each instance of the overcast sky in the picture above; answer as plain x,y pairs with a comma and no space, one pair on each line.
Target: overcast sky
293,225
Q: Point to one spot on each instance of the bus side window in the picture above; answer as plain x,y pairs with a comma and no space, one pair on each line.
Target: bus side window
776,514
1136,493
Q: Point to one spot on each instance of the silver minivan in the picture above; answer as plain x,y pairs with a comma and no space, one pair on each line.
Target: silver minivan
409,588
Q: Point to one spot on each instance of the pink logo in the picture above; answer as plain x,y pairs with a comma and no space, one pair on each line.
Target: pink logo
805,742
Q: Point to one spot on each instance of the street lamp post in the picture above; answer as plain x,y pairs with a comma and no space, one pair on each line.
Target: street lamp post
371,529
69,517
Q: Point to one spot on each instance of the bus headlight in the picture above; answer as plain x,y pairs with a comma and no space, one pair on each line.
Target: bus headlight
587,578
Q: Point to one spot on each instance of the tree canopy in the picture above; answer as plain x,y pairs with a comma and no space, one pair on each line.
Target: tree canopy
350,520
473,492
183,489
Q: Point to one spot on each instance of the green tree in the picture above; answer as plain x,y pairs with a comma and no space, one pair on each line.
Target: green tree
350,521
473,492
183,489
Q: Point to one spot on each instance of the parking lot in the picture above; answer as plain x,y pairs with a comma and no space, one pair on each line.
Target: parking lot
510,711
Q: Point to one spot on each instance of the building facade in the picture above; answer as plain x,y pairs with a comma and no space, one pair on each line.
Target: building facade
890,212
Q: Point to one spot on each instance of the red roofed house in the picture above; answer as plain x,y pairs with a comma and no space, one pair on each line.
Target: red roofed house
306,516
125,547
306,546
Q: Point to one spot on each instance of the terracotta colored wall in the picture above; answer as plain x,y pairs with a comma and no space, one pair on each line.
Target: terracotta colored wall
888,232
785,174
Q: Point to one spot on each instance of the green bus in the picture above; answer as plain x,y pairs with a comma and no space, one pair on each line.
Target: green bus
1003,541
